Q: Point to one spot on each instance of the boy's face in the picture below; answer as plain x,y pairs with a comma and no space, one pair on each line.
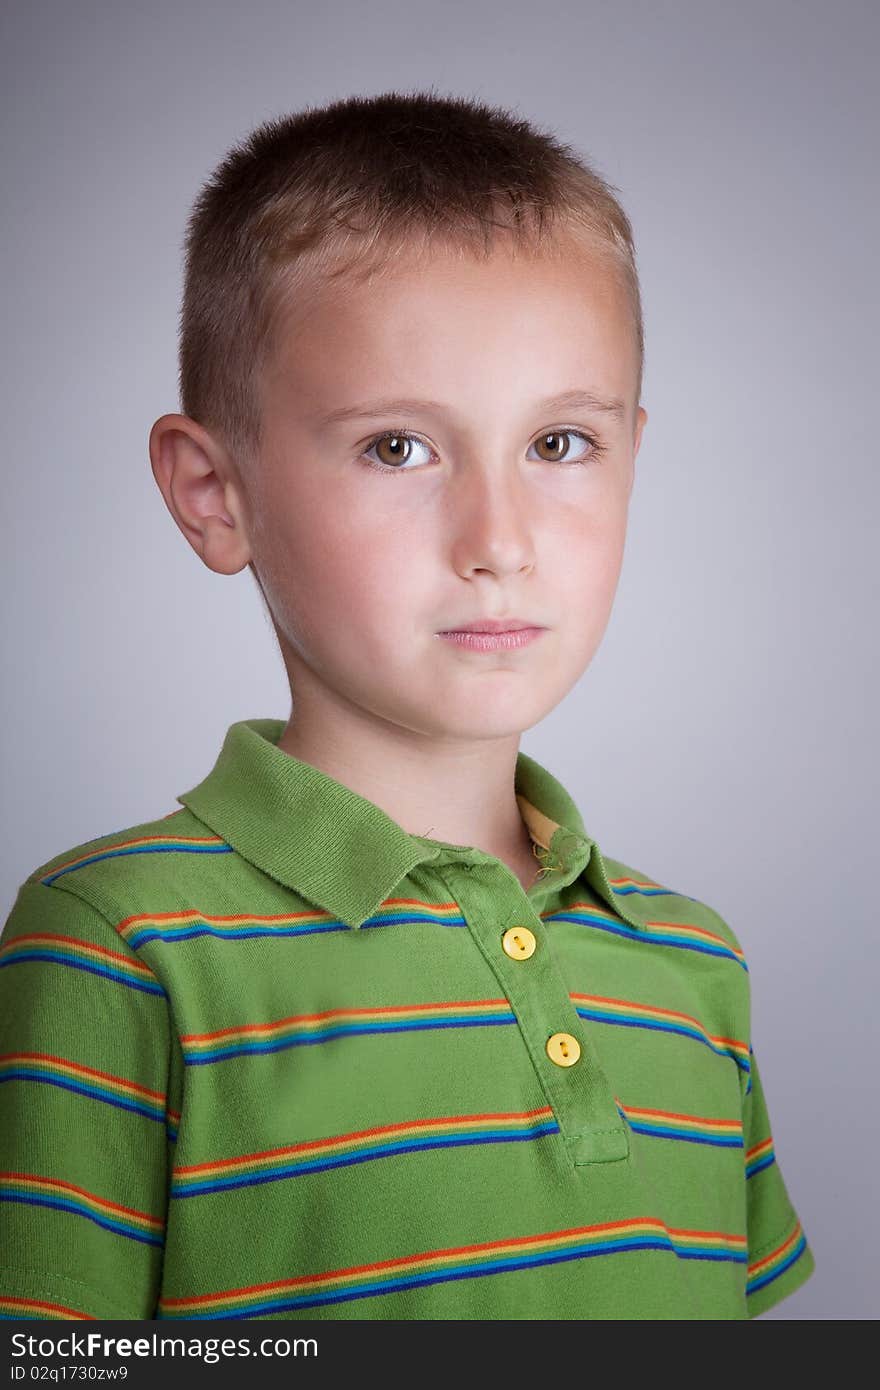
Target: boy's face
480,516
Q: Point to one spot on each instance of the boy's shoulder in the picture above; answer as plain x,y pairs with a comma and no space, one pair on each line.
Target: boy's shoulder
115,871
662,912
81,906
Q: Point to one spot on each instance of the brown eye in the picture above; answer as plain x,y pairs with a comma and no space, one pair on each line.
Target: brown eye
554,446
393,448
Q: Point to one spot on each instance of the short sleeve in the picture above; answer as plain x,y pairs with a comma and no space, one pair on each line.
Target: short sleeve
84,1124
780,1260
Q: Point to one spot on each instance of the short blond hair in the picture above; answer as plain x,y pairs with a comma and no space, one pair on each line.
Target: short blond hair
342,189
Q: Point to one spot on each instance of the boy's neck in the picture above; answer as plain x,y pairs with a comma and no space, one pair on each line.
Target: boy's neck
462,794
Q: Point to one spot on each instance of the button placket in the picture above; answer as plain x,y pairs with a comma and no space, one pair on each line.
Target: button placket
564,1060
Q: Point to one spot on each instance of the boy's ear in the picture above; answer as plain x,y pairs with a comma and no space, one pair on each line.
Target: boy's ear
641,421
199,483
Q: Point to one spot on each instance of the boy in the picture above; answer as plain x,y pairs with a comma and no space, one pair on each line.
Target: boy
369,1027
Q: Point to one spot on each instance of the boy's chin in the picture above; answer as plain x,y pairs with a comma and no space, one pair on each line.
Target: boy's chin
476,724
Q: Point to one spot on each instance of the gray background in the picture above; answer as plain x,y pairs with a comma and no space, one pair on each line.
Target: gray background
723,740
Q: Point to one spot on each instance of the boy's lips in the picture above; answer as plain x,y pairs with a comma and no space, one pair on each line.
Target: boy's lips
504,634
492,625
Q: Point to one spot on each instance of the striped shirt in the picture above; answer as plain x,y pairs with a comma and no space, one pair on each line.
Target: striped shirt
272,1056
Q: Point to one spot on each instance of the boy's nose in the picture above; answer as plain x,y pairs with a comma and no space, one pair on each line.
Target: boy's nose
492,523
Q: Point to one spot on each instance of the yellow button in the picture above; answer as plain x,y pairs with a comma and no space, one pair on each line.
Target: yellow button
519,943
563,1049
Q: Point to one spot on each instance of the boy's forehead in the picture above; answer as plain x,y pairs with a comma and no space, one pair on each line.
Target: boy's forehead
419,322
454,283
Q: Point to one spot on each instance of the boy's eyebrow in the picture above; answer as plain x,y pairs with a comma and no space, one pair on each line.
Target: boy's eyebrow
575,400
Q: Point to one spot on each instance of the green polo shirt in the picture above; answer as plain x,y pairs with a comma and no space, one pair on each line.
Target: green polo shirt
271,1056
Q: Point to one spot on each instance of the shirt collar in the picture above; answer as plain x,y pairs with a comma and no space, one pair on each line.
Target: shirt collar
345,854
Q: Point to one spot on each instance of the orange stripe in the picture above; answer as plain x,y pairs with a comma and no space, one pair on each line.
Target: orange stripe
416,902
676,1115
84,946
432,1254
208,917
364,1134
141,840
653,1009
774,1254
636,882
686,927
244,917
78,1066
764,1144
336,1013
38,1303
35,1178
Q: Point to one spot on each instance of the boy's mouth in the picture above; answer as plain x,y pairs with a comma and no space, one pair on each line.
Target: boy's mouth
492,625
493,634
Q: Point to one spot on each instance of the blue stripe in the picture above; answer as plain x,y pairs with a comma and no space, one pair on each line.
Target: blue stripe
646,934
242,933
471,1272
144,849
723,1143
663,1028
652,893
318,1165
786,1264
754,1168
61,1205
83,1089
156,934
241,1049
106,972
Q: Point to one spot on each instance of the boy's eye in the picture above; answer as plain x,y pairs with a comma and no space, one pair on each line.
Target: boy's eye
395,448
557,450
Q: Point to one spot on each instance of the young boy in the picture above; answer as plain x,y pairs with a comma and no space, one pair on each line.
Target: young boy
369,1027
